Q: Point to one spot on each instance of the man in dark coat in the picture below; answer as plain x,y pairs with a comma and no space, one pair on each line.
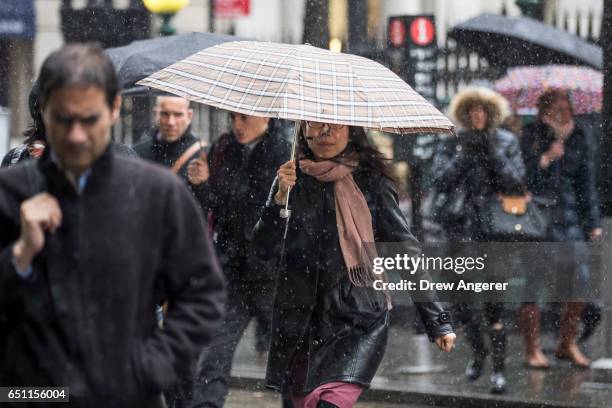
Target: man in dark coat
87,238
242,166
172,141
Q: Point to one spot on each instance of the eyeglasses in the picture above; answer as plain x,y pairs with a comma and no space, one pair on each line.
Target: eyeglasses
320,125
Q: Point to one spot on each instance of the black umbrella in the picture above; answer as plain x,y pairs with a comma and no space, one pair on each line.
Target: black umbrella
509,42
140,59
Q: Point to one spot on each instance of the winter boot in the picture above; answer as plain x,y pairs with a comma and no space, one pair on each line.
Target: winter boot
498,345
529,321
568,348
474,335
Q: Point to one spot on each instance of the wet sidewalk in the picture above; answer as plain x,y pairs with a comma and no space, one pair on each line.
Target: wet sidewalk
414,371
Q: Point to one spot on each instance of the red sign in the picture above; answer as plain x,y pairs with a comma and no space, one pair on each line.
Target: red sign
422,31
397,33
232,8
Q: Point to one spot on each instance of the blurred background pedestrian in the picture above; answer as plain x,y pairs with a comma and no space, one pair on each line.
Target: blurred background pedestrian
469,172
239,170
560,167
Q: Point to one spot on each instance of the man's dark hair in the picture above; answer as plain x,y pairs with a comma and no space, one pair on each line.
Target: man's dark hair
81,65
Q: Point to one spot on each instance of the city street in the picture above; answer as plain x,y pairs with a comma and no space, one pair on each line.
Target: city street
414,372
264,399
365,203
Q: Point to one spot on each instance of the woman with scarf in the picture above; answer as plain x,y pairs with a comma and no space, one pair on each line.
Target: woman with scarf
560,168
330,325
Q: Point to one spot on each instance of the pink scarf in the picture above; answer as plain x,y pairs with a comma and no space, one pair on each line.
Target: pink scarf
353,218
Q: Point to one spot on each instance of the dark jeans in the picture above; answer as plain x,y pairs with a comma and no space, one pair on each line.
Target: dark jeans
472,316
245,301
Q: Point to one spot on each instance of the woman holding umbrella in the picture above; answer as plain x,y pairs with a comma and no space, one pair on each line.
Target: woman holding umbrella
559,168
329,326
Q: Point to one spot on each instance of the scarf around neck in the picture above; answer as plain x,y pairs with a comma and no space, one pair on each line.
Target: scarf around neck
353,217
561,131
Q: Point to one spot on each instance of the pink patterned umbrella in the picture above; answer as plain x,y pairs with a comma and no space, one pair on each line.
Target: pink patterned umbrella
523,85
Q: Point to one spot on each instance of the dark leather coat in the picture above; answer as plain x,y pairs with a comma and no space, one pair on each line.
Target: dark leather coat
570,181
343,327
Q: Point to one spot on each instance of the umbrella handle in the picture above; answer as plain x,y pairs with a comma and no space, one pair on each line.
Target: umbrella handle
286,212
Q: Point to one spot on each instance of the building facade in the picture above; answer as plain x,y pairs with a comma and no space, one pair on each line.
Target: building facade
268,20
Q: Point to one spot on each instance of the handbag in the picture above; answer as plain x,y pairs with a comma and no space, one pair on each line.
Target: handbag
518,219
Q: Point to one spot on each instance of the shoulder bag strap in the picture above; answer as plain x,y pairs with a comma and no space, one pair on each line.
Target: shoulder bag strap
178,165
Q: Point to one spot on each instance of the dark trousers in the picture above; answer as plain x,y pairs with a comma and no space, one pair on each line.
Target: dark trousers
472,316
245,301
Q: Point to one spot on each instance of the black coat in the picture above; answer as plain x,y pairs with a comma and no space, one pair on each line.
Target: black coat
570,181
240,178
471,175
343,327
166,154
85,319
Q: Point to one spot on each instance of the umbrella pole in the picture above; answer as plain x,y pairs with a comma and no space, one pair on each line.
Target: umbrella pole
286,212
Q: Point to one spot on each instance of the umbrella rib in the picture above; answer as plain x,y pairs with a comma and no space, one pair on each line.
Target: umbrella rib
236,77
285,57
335,89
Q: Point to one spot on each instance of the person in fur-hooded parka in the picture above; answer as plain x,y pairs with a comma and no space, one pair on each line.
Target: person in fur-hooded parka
469,171
479,163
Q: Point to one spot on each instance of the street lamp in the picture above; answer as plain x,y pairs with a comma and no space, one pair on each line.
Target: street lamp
166,9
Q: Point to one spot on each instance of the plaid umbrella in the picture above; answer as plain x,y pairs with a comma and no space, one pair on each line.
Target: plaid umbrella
300,82
523,85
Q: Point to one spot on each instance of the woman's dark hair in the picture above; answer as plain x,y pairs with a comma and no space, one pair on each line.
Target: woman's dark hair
549,97
36,131
368,156
78,65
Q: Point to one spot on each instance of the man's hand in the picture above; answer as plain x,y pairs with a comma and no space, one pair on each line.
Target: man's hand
38,214
446,342
197,170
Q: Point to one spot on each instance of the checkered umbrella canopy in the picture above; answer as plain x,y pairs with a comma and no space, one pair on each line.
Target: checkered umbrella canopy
300,82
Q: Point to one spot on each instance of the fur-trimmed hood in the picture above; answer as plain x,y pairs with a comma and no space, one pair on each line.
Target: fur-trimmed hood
495,105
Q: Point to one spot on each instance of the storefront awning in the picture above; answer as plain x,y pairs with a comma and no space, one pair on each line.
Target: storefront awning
17,19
